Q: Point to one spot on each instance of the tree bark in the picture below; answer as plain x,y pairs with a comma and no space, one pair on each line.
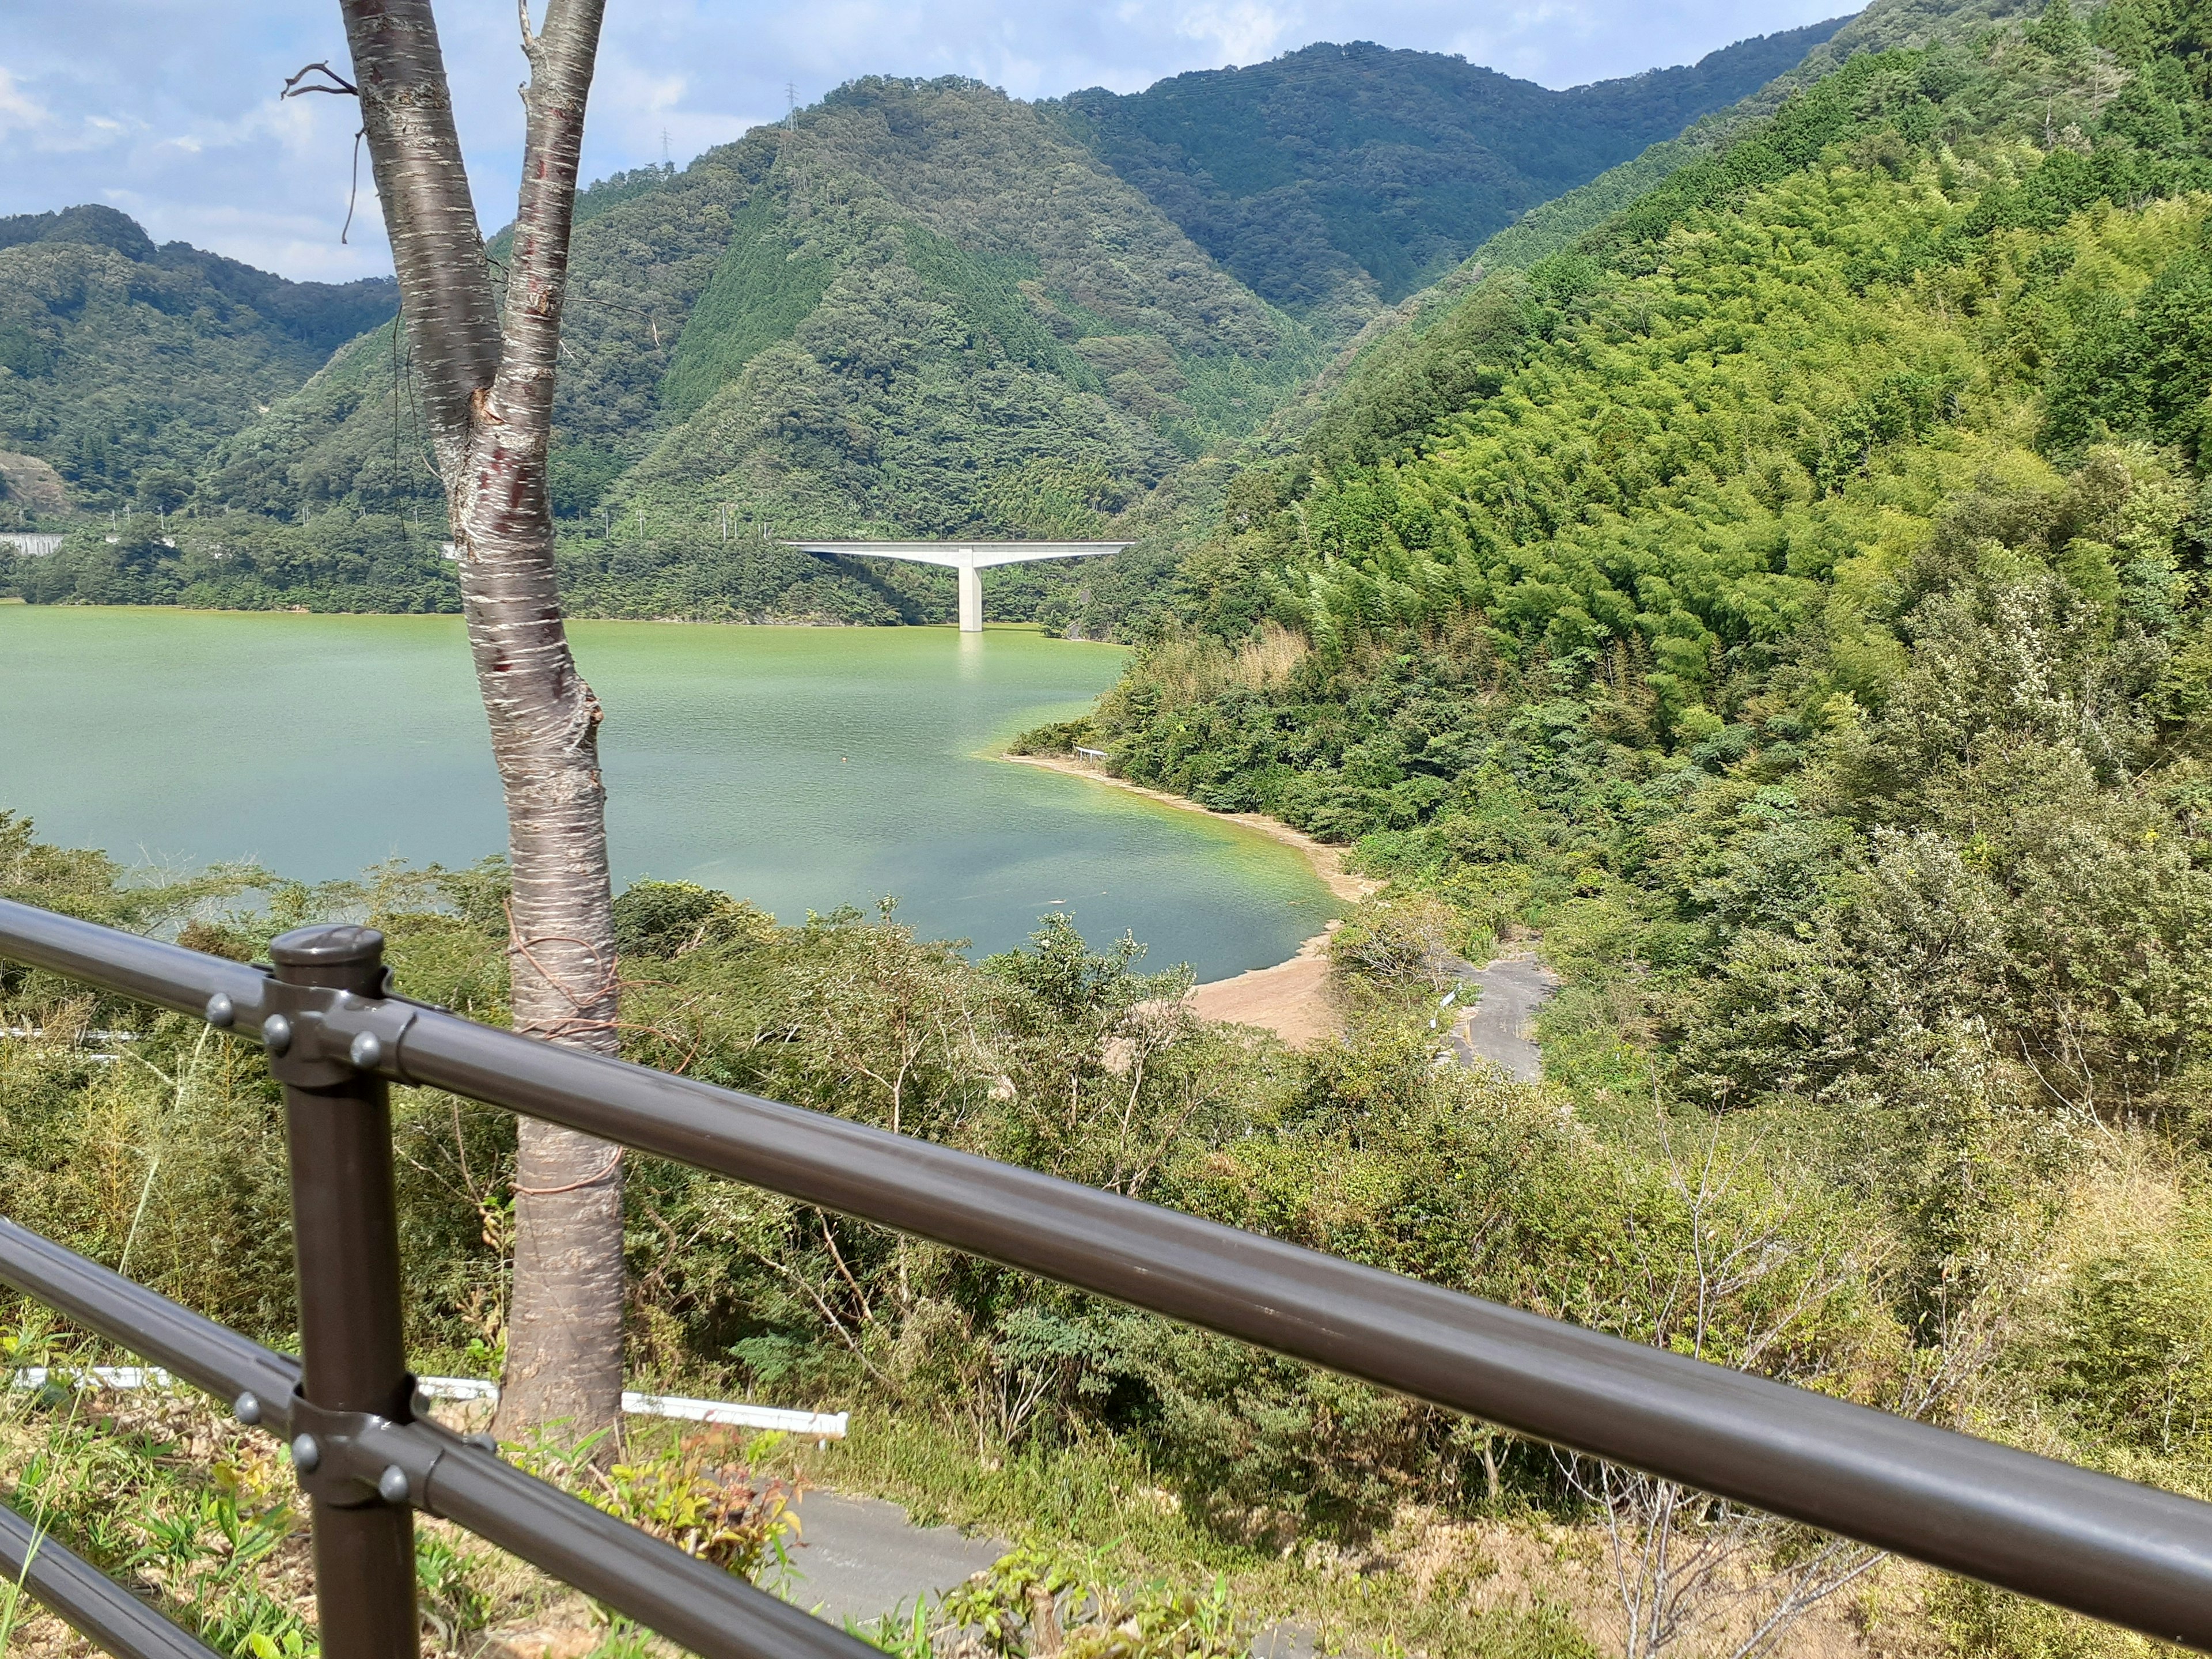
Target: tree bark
487,376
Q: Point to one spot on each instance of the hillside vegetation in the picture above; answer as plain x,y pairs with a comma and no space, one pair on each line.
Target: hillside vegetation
1339,177
918,308
940,314
1791,601
1786,608
892,306
121,363
1554,226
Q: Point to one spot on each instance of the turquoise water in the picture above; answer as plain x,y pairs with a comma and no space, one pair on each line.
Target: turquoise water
799,767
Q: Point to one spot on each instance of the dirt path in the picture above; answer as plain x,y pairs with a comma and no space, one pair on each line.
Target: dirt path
1294,1000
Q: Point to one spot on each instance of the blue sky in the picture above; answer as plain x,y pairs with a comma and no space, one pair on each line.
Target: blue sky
167,108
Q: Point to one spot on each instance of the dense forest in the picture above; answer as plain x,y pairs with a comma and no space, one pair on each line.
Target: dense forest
121,362
916,308
1341,177
1788,600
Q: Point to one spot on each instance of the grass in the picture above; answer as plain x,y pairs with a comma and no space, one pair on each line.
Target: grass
1097,1504
202,1517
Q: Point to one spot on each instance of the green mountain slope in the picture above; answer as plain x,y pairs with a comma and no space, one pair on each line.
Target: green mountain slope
122,362
920,308
945,315
1884,26
1811,560
1391,368
1335,178
1799,611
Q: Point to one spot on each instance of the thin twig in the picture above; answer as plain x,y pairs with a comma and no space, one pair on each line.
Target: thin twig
352,194
343,88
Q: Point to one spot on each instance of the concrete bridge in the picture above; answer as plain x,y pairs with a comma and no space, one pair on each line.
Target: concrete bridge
969,559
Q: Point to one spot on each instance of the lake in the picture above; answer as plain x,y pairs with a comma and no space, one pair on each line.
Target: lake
799,767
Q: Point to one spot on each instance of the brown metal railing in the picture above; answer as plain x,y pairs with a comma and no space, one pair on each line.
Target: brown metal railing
2131,1554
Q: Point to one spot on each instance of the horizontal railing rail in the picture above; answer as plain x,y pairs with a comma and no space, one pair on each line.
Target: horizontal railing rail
2133,1555
446,1474
91,1602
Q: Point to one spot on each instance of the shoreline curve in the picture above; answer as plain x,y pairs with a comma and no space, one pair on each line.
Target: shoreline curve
1293,999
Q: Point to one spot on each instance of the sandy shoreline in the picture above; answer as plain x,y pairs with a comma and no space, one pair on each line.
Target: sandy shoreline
1327,861
1294,999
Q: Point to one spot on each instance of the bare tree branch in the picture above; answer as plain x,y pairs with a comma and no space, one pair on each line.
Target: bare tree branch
343,88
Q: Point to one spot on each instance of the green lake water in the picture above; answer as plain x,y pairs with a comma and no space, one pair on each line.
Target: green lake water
799,767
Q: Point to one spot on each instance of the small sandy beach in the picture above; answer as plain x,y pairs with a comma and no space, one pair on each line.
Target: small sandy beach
1295,999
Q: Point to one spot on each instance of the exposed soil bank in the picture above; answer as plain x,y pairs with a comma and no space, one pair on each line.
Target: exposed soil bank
1327,860
1295,999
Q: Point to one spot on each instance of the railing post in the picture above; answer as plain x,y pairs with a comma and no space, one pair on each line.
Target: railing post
345,1232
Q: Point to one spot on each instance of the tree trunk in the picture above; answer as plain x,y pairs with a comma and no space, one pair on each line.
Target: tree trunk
488,396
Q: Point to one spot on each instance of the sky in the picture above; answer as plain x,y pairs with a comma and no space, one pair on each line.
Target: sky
167,109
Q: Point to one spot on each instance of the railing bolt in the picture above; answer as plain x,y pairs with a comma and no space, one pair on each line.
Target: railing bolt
391,1485
246,1409
221,1011
306,1453
276,1033
366,1051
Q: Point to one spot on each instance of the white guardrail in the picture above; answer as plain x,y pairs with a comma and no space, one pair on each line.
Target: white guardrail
808,1426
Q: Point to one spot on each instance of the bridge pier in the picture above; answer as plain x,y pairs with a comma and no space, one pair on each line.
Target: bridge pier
971,593
966,560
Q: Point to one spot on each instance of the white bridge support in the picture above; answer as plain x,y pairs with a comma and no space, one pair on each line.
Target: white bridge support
971,598
969,560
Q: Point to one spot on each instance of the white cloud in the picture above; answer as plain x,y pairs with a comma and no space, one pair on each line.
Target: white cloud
17,111
1245,31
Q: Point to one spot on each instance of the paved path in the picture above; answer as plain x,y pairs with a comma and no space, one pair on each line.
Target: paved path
860,1558
863,1558
1500,1029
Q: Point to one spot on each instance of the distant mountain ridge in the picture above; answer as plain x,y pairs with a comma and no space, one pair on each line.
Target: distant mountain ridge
122,361
1337,178
324,315
918,307
922,307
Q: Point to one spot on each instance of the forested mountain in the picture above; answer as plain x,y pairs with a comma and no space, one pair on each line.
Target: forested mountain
916,308
1340,177
1792,600
1388,348
121,363
1884,26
